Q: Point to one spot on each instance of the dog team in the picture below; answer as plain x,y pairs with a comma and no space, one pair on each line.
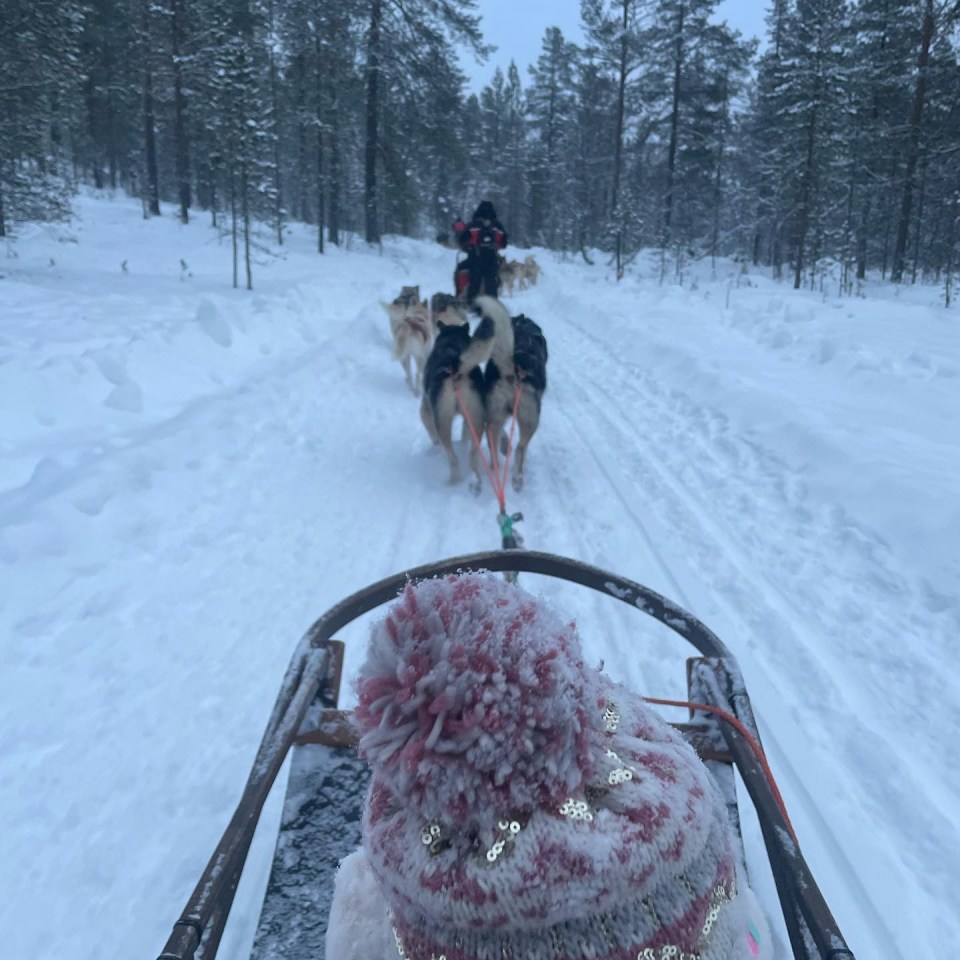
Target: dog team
522,274
488,375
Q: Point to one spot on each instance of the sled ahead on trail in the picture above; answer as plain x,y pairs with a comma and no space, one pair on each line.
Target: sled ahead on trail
325,791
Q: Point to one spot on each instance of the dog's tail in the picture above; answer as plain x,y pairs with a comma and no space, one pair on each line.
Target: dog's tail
493,338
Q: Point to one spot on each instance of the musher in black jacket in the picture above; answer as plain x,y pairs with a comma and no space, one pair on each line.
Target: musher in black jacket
481,240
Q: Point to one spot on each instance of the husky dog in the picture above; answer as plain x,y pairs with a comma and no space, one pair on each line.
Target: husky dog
412,333
531,270
521,362
408,296
454,367
446,309
512,272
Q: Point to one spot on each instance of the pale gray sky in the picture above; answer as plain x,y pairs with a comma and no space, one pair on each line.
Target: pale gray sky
517,26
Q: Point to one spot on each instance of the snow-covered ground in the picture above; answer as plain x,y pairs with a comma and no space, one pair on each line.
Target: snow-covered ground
189,475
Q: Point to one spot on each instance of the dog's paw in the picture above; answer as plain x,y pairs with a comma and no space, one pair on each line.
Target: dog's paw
517,482
476,486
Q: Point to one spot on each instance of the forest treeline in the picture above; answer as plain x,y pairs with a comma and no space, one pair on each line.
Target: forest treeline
837,142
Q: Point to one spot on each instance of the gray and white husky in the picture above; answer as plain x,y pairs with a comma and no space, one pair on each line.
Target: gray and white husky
454,367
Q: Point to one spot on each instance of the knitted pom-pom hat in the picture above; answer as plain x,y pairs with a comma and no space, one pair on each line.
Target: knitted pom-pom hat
523,806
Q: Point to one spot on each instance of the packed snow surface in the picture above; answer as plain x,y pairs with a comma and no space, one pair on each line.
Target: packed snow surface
190,475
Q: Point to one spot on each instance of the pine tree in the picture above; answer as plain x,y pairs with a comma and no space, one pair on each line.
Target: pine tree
235,117
40,87
800,126
551,112
933,18
402,42
616,33
584,215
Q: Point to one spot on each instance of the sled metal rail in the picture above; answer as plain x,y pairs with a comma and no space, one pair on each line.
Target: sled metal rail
314,674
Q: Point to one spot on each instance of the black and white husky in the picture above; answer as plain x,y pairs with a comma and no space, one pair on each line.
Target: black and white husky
519,362
454,367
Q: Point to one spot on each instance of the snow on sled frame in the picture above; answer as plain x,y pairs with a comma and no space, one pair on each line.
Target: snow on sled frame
321,815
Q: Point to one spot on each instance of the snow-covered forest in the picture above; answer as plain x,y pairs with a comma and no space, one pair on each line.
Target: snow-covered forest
836,142
190,474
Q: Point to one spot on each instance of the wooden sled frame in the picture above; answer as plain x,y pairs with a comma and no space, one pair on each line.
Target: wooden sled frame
305,714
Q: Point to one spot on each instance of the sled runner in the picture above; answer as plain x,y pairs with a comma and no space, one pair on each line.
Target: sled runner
322,809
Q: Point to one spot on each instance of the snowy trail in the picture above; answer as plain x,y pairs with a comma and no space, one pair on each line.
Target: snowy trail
689,465
686,466
162,549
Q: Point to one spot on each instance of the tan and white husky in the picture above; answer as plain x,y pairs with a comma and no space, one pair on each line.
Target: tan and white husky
412,334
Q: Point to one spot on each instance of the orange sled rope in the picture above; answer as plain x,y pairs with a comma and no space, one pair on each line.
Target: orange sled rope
498,480
745,733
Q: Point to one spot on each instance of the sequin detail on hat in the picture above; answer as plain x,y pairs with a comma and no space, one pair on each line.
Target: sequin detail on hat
611,717
401,952
621,775
503,845
722,894
576,809
432,839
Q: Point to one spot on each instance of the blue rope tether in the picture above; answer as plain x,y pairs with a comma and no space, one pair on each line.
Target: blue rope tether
511,539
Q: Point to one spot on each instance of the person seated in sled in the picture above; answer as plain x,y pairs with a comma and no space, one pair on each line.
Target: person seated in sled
481,240
523,804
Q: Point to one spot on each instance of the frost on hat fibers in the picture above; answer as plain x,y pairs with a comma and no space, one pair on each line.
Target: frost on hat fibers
523,806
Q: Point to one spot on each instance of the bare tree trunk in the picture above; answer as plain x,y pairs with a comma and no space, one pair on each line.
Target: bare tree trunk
718,177
182,148
913,148
674,128
321,172
246,224
321,206
233,226
919,228
150,145
213,198
303,206
275,108
333,180
806,195
370,205
776,252
862,235
94,131
112,146
3,222
621,106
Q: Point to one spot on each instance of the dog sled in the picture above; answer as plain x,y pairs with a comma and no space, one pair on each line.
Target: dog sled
322,808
